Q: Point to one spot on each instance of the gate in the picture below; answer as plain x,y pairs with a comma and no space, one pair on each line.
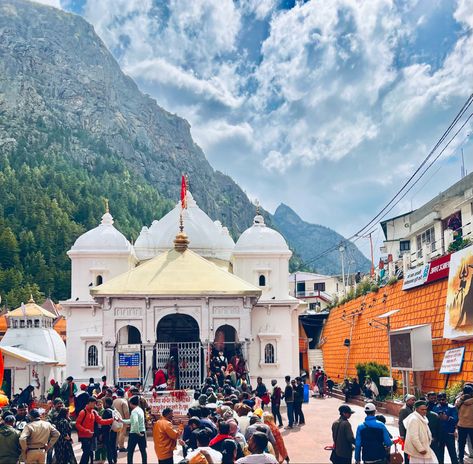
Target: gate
187,361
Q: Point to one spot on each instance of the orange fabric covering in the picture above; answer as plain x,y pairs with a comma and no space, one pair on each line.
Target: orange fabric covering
423,305
3,325
60,326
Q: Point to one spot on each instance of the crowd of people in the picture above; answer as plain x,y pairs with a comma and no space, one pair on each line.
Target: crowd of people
227,422
427,426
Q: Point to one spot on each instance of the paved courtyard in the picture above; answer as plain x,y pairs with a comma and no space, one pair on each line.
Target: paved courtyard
305,444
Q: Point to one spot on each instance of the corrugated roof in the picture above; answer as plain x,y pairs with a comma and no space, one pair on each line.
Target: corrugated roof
176,273
26,355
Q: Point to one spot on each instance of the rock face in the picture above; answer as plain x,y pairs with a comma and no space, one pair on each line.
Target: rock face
70,117
310,240
56,73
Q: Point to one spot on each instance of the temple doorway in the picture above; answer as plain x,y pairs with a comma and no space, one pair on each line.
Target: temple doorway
226,340
178,351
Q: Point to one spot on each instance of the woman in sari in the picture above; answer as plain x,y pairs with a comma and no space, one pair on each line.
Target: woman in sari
280,448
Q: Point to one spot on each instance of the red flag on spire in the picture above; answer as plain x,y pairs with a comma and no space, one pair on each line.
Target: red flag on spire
183,192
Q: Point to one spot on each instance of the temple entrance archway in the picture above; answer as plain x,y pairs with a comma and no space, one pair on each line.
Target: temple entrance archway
226,340
179,351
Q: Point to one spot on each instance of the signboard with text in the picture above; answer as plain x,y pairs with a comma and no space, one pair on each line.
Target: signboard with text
452,361
178,400
431,272
129,367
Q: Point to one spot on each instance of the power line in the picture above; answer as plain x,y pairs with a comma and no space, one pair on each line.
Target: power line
397,198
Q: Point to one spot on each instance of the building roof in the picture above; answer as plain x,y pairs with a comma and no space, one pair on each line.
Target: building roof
30,309
261,239
208,238
103,238
60,326
52,307
176,273
305,276
25,355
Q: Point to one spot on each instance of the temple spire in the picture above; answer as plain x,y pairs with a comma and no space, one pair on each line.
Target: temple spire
181,242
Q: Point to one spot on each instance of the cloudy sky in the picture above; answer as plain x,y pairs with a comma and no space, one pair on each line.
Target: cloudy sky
325,105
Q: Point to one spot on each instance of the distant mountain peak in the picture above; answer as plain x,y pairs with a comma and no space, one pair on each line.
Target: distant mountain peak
310,240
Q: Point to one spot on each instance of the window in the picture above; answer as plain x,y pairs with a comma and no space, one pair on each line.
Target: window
300,288
15,324
319,287
269,353
426,238
314,306
404,245
36,323
22,324
262,281
29,323
92,356
99,280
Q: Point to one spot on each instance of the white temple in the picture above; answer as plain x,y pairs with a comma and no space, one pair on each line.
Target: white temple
168,297
33,351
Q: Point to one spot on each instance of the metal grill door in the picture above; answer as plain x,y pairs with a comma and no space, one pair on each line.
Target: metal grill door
189,361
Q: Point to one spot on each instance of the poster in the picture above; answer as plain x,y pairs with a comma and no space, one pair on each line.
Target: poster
401,352
452,361
458,322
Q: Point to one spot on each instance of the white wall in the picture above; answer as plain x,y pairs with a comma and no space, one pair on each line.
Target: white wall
85,267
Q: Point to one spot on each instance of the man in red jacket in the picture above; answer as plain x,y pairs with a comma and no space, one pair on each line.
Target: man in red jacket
85,428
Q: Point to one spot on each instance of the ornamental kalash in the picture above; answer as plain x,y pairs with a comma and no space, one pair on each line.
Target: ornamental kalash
185,299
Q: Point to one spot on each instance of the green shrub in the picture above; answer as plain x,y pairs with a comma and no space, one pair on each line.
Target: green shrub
374,370
457,245
453,390
392,280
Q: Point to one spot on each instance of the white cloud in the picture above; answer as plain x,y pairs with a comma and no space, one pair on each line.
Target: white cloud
324,90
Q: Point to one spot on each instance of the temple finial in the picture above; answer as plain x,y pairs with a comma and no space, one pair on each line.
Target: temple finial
107,210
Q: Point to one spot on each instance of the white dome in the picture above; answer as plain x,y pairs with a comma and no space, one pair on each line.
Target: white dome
206,238
261,239
103,238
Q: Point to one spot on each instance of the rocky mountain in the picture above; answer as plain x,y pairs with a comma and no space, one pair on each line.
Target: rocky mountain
75,129
310,240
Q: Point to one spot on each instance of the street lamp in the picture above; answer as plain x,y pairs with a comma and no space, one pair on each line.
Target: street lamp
377,324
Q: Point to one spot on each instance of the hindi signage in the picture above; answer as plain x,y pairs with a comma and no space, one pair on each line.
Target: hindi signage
453,361
178,400
435,270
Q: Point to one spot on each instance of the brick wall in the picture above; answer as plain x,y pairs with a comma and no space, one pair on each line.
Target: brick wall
417,306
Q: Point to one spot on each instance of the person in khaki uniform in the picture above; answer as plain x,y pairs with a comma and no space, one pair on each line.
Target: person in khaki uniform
37,438
121,405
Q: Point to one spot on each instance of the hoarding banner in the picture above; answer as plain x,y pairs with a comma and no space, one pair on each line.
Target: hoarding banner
452,361
435,270
415,277
439,269
458,322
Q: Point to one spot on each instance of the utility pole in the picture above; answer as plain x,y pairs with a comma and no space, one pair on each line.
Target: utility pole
341,249
372,255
